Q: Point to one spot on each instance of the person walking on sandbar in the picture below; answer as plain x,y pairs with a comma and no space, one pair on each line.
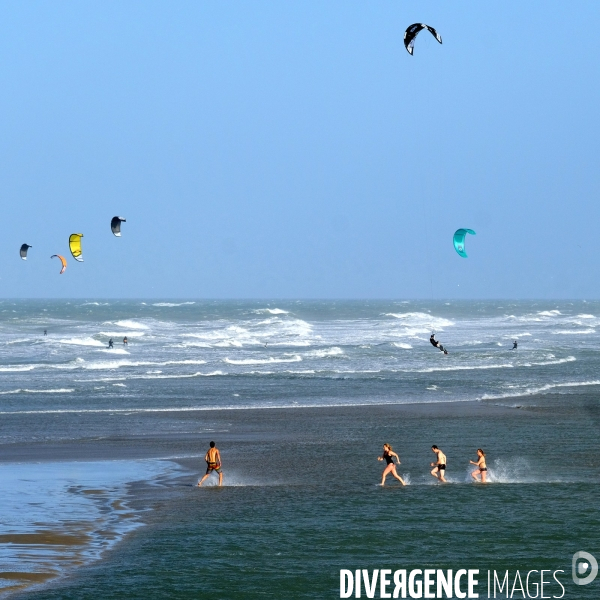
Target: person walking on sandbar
388,456
481,469
213,463
439,470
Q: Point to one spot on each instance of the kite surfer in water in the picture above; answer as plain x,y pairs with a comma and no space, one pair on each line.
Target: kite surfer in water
110,343
435,343
515,345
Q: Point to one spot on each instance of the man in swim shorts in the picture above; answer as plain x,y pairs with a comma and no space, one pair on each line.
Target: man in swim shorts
439,469
213,463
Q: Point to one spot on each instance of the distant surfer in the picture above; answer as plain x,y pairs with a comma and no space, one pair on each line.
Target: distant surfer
125,340
213,463
515,345
388,456
481,469
110,343
45,332
437,344
439,470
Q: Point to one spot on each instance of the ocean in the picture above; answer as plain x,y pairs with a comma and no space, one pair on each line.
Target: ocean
101,448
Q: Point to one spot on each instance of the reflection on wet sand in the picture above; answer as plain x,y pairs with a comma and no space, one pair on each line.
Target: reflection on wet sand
62,515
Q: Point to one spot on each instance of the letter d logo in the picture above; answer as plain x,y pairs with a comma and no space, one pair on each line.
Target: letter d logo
579,568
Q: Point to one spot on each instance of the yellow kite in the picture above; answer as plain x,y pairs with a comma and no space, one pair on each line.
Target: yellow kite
75,246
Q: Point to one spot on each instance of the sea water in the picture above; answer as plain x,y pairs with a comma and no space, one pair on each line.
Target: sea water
300,395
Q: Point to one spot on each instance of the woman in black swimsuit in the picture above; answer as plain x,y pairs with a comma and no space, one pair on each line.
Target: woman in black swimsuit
481,467
388,456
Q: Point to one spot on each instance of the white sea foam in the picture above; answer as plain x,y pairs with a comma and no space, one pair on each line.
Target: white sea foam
171,304
515,470
262,361
83,341
559,361
539,390
574,332
80,363
182,375
266,406
17,368
273,331
131,324
402,345
113,350
462,368
549,313
121,334
28,391
191,345
422,321
271,311
325,353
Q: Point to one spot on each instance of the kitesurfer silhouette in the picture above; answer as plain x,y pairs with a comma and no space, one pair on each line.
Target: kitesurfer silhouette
435,343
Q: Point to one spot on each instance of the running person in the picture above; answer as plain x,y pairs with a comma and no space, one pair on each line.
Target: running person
388,456
481,466
213,463
439,470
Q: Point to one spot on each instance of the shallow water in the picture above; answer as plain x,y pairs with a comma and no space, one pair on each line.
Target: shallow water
299,397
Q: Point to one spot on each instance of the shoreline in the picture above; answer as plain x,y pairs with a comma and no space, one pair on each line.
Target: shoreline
65,515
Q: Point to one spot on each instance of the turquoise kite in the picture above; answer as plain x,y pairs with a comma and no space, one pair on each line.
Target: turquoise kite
459,240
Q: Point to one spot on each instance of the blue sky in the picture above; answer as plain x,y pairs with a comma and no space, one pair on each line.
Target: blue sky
293,149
